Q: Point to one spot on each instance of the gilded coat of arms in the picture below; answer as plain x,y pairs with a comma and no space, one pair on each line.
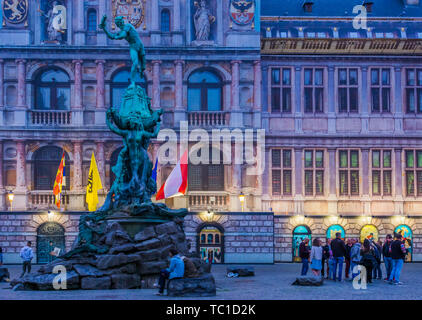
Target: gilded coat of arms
15,11
242,12
133,11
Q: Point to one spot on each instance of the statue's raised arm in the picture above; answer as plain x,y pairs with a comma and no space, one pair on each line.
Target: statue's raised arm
137,50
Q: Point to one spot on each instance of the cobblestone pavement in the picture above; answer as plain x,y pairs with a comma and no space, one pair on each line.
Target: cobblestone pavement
270,282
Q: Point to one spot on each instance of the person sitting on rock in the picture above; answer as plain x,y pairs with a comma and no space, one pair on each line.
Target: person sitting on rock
176,270
190,269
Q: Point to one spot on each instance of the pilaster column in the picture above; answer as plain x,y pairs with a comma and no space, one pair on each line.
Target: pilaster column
332,171
100,84
77,166
398,172
235,85
77,98
176,15
20,166
101,161
1,166
257,100
298,100
178,83
298,171
365,172
156,83
364,102
102,9
2,83
21,83
80,15
398,101
154,15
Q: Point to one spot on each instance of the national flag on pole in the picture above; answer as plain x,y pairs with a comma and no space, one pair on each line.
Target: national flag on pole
94,184
177,182
58,183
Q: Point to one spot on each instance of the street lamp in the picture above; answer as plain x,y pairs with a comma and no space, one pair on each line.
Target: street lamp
10,196
210,215
242,200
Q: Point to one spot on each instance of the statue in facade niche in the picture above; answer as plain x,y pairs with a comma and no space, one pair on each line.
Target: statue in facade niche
137,51
202,20
54,20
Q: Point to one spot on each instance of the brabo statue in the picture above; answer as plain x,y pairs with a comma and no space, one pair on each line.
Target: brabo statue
137,51
129,198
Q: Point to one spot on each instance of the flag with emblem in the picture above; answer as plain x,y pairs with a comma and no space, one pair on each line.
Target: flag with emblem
58,184
94,184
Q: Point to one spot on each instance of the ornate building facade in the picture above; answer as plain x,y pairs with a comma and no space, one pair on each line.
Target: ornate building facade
340,107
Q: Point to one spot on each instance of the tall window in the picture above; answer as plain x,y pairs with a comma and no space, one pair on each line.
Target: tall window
314,90
206,177
165,20
281,163
204,91
413,172
380,90
348,90
92,20
281,90
119,83
314,172
52,90
349,172
414,90
381,172
46,163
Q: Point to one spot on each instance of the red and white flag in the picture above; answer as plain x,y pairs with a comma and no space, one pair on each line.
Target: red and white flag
177,182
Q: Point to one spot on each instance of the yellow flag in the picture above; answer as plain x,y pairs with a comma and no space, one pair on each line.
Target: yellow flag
94,184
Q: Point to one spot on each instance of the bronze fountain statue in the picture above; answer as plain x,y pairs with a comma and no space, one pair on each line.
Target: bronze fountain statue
136,122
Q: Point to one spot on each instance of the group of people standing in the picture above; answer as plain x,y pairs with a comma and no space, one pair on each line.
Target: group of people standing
328,260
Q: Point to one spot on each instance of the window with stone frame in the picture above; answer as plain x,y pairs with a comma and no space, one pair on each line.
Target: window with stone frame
313,84
381,172
414,90
380,90
347,86
281,90
348,172
206,177
413,172
165,20
314,172
281,171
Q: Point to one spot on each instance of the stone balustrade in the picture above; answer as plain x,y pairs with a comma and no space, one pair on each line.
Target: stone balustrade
45,199
202,200
208,118
50,118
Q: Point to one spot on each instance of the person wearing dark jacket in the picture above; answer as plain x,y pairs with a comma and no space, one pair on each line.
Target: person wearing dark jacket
339,251
398,253
377,268
368,259
325,257
347,257
386,253
304,252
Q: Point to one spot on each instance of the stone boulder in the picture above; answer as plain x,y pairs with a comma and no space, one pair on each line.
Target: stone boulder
94,283
127,247
308,281
148,244
4,274
87,271
125,281
167,228
203,286
152,267
242,271
45,281
145,234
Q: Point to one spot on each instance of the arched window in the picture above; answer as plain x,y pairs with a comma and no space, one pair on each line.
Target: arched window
299,234
165,20
52,90
92,20
204,91
369,232
119,83
46,163
50,237
210,247
206,177
406,233
332,230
